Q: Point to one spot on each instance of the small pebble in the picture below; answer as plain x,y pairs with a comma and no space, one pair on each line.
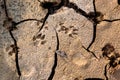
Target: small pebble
61,53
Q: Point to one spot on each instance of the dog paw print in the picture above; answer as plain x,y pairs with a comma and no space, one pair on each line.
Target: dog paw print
71,31
110,54
11,49
38,37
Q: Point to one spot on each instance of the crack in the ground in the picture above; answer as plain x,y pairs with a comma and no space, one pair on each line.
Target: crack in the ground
96,21
92,16
110,53
51,10
11,25
77,9
105,72
110,20
94,25
16,53
90,52
55,59
10,28
118,1
93,79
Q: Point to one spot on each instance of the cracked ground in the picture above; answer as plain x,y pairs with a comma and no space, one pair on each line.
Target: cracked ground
59,40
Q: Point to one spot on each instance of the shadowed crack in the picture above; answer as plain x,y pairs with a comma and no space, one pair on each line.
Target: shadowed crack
94,25
55,59
118,2
110,20
93,79
77,9
28,20
16,54
92,16
5,8
10,28
95,21
114,57
91,52
51,10
10,25
44,21
105,72
89,17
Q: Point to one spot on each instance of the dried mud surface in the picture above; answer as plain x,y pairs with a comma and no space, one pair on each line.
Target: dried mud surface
59,39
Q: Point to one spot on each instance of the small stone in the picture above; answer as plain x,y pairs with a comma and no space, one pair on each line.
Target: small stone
61,53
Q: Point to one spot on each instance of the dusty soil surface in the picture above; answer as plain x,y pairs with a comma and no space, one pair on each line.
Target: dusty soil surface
59,39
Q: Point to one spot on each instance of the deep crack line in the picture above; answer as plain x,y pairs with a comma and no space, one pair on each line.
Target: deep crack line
110,20
83,13
95,22
47,15
105,72
94,26
91,52
93,79
95,11
16,53
118,1
55,59
15,42
77,9
93,17
11,25
6,13
27,20
94,36
51,10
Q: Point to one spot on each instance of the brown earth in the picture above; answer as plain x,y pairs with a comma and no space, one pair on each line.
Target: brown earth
29,54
